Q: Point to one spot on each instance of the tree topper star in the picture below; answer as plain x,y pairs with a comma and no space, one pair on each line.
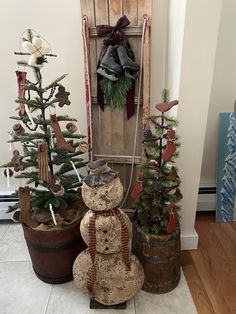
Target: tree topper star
37,50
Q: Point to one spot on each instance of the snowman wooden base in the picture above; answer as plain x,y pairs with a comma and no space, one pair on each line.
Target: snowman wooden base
97,305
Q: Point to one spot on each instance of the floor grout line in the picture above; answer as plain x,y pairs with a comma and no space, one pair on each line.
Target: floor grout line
28,261
49,296
134,305
5,231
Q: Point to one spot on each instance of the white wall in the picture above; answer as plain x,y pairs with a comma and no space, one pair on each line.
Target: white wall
193,33
176,20
159,46
223,92
59,22
198,56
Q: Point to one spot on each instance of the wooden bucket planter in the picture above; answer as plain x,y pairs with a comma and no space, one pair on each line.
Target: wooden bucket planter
53,252
160,257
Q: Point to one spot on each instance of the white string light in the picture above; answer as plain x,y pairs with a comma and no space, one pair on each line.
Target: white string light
10,138
8,177
51,138
76,171
30,116
53,215
77,124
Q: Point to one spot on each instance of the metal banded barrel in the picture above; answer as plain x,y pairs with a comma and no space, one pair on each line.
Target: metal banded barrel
53,252
160,257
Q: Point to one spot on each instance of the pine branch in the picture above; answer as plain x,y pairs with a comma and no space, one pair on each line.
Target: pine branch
14,207
165,95
30,163
27,175
69,135
30,34
58,160
68,167
22,63
115,92
158,124
54,83
26,137
31,103
7,165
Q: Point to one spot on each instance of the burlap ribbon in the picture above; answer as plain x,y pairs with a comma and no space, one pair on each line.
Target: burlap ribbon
21,79
44,174
92,243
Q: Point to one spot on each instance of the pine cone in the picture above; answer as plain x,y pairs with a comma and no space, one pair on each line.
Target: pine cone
147,135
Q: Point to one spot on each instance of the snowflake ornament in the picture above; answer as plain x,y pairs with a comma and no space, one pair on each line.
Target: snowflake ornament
37,50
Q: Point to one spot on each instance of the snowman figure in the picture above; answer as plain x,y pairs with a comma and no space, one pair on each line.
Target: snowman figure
107,270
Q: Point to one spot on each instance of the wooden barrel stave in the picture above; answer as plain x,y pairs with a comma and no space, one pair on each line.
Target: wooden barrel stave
53,252
160,257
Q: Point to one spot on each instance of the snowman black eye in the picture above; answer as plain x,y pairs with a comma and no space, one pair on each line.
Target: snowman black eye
105,231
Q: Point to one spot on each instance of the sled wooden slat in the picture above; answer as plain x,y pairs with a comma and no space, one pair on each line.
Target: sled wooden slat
119,159
94,100
102,17
130,9
113,134
117,117
129,31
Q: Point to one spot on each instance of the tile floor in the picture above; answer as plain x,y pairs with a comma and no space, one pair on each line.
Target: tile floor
21,292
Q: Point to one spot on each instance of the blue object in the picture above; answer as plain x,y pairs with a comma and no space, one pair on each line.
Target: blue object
226,169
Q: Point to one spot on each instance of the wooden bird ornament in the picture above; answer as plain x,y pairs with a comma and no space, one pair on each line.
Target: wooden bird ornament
165,106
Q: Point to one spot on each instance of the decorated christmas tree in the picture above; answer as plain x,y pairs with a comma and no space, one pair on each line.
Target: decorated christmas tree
157,189
51,157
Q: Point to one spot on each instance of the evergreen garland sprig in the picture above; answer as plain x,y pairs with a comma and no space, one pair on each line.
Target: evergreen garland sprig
115,91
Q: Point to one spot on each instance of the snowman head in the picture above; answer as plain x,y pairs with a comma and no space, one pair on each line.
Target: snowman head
102,189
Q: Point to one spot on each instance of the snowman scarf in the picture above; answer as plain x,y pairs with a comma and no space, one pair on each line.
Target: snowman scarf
92,243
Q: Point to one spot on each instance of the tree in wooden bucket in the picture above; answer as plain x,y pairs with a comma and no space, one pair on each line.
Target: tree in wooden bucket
52,209
156,238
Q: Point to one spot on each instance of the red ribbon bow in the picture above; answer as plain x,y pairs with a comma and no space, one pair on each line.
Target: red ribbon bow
114,30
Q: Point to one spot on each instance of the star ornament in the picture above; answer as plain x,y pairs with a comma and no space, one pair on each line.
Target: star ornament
37,50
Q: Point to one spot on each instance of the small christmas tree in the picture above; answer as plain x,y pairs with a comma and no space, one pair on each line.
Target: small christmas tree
48,158
157,189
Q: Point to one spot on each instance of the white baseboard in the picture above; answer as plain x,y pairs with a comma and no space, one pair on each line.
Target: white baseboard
189,241
5,201
206,202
